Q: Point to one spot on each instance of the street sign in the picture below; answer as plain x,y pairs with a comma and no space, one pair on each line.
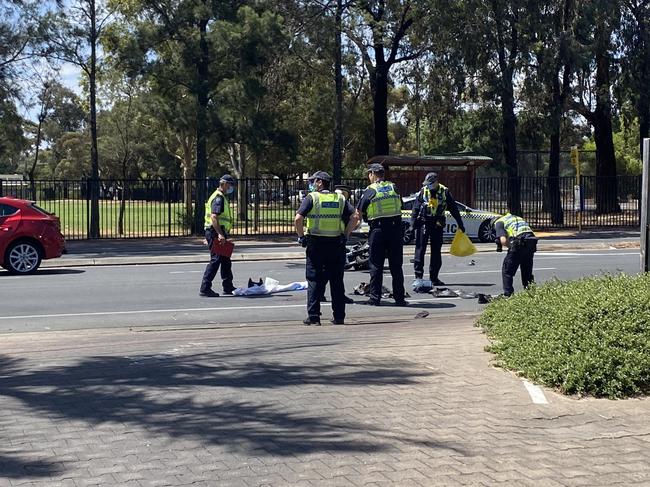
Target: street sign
577,198
575,157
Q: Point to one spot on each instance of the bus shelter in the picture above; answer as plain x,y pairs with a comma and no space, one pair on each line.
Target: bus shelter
456,172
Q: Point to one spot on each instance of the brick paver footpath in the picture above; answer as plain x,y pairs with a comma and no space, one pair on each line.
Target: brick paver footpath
406,403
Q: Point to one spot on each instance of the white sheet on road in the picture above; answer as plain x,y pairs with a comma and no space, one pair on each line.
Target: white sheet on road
270,286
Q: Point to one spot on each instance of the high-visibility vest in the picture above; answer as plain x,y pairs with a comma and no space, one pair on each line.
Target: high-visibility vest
225,219
514,225
385,203
325,217
437,202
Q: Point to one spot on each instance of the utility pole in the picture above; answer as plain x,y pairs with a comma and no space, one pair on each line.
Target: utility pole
645,208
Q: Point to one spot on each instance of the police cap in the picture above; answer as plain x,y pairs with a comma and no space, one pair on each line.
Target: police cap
322,175
375,167
227,178
431,177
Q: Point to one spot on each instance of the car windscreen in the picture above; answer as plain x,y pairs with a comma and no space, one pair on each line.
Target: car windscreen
41,210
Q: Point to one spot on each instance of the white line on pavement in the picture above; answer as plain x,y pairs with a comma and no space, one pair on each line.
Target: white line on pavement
535,393
181,310
575,254
484,272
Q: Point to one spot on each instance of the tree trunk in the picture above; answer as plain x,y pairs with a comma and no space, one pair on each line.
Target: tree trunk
187,182
380,110
201,129
120,217
337,148
606,184
553,179
643,111
509,139
94,154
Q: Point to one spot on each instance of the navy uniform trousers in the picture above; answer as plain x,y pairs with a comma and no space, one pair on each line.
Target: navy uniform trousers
216,262
325,261
429,232
386,240
520,254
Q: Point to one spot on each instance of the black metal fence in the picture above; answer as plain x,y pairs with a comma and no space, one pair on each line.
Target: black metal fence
163,208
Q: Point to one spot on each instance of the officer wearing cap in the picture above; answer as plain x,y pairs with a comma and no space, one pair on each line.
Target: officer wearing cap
428,222
381,206
218,222
330,220
514,233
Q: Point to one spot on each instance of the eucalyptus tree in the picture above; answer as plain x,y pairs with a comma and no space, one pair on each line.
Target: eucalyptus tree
599,21
74,36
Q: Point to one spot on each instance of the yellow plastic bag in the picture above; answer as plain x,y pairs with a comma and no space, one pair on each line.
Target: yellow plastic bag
461,245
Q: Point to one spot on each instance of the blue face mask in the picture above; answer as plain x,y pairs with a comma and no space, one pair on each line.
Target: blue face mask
311,187
230,190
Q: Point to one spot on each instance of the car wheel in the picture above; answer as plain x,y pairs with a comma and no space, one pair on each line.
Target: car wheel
23,257
486,232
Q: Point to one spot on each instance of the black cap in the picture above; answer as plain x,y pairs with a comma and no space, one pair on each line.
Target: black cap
431,177
227,178
322,175
375,167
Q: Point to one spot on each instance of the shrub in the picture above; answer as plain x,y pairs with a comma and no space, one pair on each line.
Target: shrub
590,336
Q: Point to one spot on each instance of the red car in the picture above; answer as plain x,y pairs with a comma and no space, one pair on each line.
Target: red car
28,234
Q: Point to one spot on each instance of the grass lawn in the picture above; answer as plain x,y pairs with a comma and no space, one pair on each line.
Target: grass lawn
155,219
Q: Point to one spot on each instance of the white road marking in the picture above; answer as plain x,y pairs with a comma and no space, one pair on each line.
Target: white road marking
535,393
182,310
485,272
575,254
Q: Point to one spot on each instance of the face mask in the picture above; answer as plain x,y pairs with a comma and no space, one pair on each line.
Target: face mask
230,190
311,187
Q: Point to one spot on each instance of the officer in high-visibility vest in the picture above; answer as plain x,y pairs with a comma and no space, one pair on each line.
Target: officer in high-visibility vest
381,206
218,222
428,221
514,233
330,220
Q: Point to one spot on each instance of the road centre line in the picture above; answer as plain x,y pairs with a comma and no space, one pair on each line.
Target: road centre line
181,310
535,393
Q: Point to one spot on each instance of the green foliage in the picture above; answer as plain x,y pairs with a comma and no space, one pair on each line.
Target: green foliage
626,147
590,336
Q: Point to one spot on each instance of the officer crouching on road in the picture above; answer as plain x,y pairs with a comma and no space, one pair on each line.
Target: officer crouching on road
381,206
514,233
218,222
428,221
330,220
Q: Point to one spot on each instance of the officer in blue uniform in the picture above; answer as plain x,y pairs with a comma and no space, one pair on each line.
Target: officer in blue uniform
428,222
330,220
218,223
381,206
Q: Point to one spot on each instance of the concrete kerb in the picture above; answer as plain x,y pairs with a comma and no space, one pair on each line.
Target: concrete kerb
243,256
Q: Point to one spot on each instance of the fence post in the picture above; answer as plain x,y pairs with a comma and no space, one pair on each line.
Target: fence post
88,208
245,202
168,189
645,208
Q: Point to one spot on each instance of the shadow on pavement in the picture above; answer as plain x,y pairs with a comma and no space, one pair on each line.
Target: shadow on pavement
15,468
224,398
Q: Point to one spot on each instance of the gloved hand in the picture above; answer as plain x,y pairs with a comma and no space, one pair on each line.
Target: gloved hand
302,241
499,246
461,227
408,234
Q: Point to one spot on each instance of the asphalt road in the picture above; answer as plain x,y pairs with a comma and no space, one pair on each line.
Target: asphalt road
167,295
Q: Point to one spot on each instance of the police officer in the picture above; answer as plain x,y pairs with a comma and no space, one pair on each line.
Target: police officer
330,220
381,206
218,222
514,233
428,221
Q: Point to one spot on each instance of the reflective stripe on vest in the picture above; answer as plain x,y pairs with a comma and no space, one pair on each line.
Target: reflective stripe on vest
514,225
436,202
325,217
225,219
385,203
